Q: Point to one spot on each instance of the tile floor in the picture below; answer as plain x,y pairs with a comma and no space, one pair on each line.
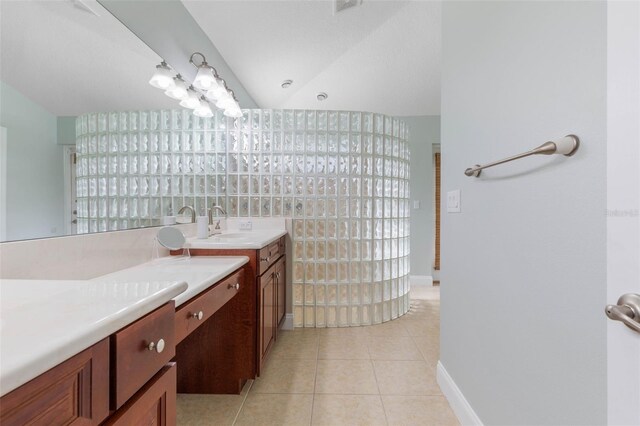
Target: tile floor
377,375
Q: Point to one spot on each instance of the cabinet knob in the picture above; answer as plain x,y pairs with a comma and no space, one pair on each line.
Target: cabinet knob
236,286
158,347
197,315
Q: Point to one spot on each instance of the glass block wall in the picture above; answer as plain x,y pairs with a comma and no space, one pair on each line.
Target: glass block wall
343,177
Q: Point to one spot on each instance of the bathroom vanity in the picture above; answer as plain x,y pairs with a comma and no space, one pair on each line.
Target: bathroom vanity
262,305
103,350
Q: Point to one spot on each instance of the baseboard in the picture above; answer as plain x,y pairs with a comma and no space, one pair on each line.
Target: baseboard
457,401
421,280
287,324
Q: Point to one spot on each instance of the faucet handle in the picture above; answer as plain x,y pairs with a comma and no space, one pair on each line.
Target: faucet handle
217,224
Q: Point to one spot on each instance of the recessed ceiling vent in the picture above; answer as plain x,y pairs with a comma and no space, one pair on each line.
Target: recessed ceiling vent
340,5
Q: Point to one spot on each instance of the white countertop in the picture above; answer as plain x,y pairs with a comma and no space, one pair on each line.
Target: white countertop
235,239
45,322
200,272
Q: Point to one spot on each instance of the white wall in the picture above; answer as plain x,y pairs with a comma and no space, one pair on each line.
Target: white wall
35,181
524,263
424,132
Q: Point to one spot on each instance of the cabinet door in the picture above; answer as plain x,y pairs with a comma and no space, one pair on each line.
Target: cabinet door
74,392
267,312
281,281
154,404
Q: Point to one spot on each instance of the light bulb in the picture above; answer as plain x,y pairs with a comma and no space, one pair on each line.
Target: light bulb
205,79
191,101
233,111
179,89
203,110
218,91
162,77
225,102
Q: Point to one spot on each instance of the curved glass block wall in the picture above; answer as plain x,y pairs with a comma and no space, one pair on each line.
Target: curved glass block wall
343,177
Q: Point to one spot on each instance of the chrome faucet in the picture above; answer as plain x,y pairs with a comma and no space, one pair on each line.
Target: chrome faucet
216,229
193,212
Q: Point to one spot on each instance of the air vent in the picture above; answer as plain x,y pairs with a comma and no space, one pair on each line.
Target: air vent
340,5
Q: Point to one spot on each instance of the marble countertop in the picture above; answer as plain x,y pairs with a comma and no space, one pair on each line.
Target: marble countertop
45,322
236,239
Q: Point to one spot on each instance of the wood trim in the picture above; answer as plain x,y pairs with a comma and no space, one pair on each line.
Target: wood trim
436,264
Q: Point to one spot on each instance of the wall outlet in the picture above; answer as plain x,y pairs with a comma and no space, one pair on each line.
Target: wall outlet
246,225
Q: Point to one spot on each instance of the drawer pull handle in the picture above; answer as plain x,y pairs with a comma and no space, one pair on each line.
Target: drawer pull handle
158,347
236,286
265,259
197,315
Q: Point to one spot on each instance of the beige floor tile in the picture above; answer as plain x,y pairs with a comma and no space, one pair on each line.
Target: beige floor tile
344,331
345,377
418,410
333,346
424,292
338,410
422,327
406,378
389,328
286,376
201,410
295,345
429,348
276,409
394,348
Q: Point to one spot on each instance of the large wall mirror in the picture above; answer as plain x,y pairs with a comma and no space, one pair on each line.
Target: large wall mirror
59,60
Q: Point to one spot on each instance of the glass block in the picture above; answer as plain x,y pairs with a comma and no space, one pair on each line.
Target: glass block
309,316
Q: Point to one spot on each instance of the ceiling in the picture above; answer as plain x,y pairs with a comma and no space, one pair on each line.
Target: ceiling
381,56
70,61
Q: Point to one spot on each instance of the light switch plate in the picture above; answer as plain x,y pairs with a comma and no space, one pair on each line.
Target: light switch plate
453,201
246,225
416,204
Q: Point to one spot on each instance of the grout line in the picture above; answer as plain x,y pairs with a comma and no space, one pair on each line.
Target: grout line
375,376
235,419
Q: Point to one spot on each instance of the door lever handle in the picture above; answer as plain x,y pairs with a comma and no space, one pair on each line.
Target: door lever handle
627,311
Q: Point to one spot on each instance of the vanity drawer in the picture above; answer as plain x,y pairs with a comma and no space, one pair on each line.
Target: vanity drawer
139,351
196,311
268,255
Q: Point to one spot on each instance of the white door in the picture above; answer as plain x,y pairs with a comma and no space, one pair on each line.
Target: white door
623,204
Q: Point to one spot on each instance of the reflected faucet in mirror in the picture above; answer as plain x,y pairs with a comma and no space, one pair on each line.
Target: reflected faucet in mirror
193,212
216,229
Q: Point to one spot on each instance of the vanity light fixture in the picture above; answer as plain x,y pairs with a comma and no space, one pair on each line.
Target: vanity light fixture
162,77
191,101
179,89
207,88
204,109
206,76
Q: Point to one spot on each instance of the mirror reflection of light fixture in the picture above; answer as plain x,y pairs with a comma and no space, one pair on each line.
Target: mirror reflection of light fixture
206,76
191,101
162,78
207,88
179,89
203,110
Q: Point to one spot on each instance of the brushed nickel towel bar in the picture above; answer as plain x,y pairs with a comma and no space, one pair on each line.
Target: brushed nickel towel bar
566,146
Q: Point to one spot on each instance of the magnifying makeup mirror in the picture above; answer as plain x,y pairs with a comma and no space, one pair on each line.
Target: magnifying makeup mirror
173,239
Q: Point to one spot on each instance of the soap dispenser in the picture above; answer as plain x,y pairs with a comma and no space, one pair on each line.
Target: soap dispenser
203,225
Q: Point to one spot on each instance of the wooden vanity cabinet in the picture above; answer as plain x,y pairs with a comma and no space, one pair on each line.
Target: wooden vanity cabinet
260,306
74,392
123,379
